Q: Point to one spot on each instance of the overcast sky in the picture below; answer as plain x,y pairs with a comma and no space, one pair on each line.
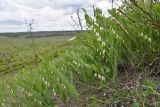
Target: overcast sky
47,14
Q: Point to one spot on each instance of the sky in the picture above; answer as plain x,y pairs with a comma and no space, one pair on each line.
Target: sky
47,15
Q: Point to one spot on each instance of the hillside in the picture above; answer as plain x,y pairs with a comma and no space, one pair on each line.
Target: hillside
41,33
115,63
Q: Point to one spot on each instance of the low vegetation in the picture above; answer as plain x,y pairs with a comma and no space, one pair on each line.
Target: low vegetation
116,63
17,52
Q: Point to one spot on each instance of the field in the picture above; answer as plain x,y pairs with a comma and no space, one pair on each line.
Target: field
18,52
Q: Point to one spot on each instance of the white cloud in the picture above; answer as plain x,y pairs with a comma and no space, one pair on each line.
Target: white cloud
47,14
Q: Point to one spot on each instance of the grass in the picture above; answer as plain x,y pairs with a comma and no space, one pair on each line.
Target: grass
20,55
17,52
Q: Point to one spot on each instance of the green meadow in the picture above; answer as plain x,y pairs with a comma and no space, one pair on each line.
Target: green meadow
18,52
